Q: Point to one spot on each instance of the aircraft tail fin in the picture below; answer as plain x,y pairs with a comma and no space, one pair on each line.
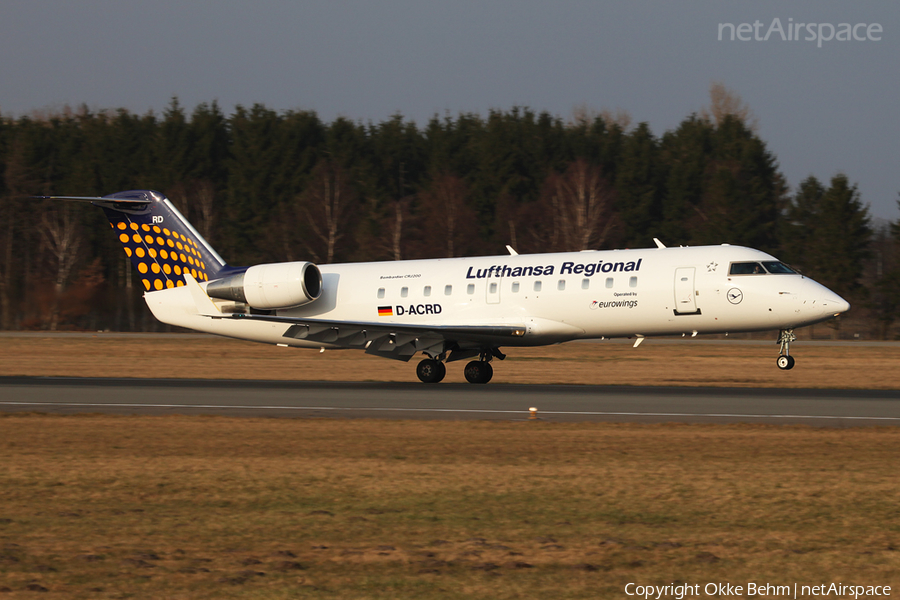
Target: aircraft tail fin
162,245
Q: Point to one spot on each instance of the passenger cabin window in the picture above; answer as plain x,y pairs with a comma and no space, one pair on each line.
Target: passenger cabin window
381,292
470,289
515,287
493,287
537,286
448,289
404,292
427,290
632,282
561,285
585,284
609,282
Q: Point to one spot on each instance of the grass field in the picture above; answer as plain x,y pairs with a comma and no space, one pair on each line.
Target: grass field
96,506
209,507
685,362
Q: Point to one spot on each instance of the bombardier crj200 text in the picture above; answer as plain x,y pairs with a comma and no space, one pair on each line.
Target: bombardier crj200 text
458,308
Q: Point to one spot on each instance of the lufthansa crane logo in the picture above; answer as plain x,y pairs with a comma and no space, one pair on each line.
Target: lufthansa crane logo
735,296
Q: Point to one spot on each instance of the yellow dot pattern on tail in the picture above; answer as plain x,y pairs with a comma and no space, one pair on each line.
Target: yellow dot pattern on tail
159,241
152,250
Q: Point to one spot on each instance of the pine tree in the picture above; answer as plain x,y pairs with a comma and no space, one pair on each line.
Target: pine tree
886,290
828,233
639,188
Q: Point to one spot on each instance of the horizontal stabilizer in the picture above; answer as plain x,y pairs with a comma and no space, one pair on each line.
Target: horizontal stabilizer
95,199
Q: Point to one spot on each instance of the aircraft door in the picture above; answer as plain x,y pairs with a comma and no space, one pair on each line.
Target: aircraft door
493,290
685,294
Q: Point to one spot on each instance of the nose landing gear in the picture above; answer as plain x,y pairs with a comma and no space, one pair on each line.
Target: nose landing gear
785,361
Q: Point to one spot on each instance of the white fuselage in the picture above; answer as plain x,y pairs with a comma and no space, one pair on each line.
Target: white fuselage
555,297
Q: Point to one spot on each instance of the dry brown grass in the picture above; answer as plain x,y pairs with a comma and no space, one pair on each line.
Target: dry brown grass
720,364
210,507
207,507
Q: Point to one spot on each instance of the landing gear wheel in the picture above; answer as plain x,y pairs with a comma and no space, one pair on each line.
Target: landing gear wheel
430,371
785,363
785,360
478,371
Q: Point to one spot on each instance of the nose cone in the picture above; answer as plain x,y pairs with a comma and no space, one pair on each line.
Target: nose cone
821,303
835,305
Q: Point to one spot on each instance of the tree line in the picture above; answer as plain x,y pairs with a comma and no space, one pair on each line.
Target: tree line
269,186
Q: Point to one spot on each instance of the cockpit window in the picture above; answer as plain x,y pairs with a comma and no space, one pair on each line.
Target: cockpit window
746,268
778,268
755,268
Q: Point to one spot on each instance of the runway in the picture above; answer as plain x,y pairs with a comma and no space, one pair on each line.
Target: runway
555,403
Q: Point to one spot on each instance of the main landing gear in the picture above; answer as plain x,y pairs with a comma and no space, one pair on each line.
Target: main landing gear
481,371
785,360
432,370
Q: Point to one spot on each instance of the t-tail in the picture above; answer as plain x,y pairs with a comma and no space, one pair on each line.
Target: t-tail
162,245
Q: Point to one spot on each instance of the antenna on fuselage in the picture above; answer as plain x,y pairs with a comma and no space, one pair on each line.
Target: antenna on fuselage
659,244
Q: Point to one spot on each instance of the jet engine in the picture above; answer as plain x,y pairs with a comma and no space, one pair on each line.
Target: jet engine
277,285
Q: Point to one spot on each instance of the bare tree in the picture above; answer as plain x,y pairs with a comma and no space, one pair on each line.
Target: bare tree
584,115
400,223
322,215
724,102
6,264
387,230
19,181
397,230
620,117
449,220
577,208
196,199
509,218
204,192
62,239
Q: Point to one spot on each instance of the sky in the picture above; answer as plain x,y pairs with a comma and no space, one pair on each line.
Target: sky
823,106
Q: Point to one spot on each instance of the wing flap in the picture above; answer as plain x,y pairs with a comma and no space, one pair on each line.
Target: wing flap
399,341
316,325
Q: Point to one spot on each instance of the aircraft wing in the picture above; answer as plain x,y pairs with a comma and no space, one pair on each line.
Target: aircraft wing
390,340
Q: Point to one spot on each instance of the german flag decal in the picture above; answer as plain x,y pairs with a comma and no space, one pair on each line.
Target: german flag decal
385,311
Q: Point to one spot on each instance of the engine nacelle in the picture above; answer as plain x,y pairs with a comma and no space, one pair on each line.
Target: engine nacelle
277,285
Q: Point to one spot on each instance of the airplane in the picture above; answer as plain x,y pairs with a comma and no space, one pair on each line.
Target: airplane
454,309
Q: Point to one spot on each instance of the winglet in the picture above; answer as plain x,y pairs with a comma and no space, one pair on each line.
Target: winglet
511,251
659,244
